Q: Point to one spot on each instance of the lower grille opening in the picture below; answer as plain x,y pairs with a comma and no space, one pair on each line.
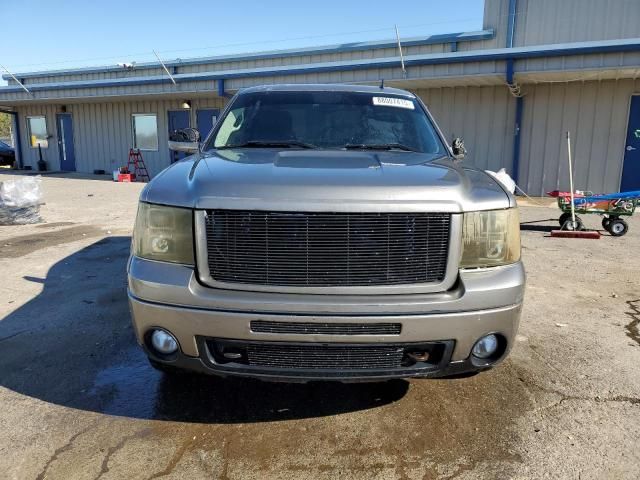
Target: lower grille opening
322,357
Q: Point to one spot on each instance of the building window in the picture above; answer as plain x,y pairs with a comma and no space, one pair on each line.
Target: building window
38,132
145,131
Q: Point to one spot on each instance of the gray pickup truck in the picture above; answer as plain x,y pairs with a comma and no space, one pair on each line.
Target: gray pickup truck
325,232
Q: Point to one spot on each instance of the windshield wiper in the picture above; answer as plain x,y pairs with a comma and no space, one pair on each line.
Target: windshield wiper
269,143
379,146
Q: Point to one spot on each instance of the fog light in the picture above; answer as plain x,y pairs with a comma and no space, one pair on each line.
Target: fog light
164,342
485,347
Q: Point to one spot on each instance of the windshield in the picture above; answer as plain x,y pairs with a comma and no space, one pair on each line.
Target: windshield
327,120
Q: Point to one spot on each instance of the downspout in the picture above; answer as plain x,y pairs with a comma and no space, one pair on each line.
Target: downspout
516,139
221,91
511,30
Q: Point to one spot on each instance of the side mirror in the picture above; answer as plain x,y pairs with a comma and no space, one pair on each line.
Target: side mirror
458,148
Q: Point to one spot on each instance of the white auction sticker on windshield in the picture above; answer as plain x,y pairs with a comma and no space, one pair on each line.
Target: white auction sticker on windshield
393,102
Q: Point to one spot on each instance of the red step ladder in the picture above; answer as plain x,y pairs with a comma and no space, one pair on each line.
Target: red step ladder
139,168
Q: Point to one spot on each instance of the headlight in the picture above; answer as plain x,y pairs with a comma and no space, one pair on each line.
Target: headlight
164,233
490,238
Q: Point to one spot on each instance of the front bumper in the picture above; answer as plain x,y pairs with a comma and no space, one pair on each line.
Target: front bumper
170,297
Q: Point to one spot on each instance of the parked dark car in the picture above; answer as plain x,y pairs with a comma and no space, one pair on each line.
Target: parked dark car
7,154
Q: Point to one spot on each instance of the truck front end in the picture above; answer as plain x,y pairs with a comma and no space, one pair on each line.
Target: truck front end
326,232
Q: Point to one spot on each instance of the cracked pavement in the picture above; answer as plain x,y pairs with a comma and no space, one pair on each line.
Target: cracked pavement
79,401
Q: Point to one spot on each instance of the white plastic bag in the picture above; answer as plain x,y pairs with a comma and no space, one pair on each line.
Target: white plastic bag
503,177
20,201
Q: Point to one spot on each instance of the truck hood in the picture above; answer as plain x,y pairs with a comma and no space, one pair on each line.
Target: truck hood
325,180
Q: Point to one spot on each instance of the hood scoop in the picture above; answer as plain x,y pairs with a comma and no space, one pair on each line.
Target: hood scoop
326,159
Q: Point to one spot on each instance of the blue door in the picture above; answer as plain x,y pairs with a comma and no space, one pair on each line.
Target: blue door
65,142
206,119
631,167
177,120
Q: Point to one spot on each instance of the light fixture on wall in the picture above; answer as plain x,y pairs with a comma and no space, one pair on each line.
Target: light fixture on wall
63,108
186,104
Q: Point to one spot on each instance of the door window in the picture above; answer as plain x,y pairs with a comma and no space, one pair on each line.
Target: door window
38,132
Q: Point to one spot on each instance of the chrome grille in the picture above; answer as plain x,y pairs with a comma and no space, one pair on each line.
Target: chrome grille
312,328
327,249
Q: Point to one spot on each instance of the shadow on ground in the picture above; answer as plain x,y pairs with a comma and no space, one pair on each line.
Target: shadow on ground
106,177
73,345
546,225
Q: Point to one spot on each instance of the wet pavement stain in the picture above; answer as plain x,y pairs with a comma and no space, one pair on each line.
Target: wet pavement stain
426,431
129,387
23,245
402,426
132,388
633,330
43,474
84,356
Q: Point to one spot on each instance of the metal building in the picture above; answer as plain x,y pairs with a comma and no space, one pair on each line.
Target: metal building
537,69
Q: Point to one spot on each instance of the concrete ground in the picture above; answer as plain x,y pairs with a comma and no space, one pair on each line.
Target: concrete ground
78,400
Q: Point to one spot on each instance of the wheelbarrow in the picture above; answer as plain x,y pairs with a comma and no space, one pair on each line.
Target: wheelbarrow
611,206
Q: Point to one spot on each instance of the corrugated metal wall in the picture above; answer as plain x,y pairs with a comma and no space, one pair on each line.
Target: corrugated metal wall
103,132
553,21
483,116
596,114
495,16
543,22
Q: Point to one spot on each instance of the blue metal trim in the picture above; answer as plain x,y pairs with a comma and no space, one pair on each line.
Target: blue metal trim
516,139
511,31
510,70
221,92
612,46
338,48
511,23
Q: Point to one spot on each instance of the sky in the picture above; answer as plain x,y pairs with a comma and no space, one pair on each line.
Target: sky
45,35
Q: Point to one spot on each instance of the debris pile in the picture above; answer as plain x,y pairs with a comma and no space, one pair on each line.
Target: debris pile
20,201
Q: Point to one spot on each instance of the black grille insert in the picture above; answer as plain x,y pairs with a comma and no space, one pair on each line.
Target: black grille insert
311,328
327,249
311,357
328,358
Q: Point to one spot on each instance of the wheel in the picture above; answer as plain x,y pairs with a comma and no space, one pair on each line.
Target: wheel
573,226
618,227
605,222
563,219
